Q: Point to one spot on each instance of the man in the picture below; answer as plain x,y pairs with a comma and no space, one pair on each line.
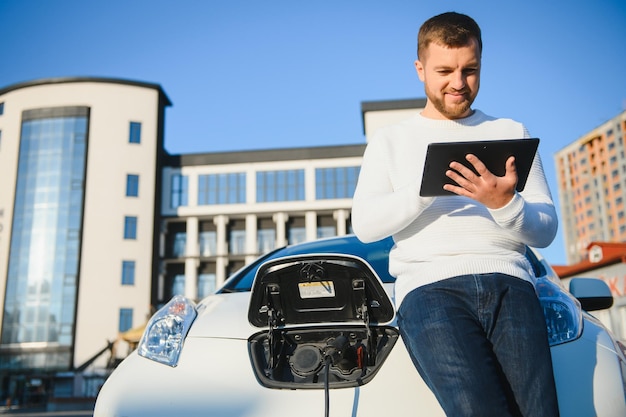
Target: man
467,309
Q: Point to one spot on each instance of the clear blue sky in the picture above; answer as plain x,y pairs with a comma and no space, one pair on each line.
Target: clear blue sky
273,74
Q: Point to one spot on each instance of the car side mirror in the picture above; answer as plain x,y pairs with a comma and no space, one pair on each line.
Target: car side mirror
593,294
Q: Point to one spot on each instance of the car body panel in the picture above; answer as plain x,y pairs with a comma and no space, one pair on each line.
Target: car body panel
141,387
594,387
221,315
215,377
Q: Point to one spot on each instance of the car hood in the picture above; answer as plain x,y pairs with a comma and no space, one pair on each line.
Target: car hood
223,316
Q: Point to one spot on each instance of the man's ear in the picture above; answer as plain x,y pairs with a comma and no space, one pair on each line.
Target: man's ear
419,68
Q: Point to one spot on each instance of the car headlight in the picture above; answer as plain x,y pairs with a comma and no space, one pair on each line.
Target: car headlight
163,338
563,314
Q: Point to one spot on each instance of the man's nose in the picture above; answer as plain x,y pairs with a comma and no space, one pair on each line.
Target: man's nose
458,81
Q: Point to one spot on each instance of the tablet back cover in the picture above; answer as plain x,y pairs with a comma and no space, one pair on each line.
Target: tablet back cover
493,153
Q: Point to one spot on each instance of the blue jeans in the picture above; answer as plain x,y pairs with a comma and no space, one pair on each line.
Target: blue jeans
480,343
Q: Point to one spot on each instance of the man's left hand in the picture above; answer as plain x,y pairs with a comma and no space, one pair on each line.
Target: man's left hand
486,188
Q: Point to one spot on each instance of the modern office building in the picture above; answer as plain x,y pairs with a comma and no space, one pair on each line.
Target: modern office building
591,174
222,210
99,225
80,183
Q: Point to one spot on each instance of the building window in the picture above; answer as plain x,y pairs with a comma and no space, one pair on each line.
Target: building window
337,182
266,240
179,191
1,108
280,185
135,132
222,188
208,243
132,185
130,227
128,272
237,242
296,235
126,319
326,227
296,230
206,284
180,244
178,287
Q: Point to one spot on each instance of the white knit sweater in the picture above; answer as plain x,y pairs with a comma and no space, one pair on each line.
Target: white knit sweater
442,237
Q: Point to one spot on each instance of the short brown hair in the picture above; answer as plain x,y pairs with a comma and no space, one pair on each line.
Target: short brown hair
450,29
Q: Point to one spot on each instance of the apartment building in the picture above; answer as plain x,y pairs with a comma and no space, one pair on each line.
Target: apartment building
591,173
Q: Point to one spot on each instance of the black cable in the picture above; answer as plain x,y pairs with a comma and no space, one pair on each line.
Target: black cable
327,361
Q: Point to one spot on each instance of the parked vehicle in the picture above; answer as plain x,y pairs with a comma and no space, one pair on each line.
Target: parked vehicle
310,330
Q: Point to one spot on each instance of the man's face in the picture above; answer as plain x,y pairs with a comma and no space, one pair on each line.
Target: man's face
451,78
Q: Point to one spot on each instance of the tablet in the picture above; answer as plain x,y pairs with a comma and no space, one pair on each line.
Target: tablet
493,153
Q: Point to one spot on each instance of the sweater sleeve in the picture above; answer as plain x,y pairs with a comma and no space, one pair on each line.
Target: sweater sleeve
530,216
378,209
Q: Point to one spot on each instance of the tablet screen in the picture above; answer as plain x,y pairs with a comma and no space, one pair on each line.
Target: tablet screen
493,153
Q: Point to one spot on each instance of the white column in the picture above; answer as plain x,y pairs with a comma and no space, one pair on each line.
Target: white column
220,223
310,223
161,282
221,261
341,216
309,184
191,244
191,278
251,237
281,228
192,189
191,259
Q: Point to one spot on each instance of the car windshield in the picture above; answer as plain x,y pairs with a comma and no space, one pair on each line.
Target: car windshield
376,254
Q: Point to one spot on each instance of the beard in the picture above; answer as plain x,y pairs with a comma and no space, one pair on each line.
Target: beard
455,110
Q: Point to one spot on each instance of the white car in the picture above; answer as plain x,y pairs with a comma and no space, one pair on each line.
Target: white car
309,330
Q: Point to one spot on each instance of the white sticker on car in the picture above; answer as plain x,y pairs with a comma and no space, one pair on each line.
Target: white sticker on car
317,289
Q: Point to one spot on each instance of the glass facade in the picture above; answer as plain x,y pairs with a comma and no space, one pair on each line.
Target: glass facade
178,287
237,242
180,244
266,240
208,243
337,182
287,185
179,191
43,268
206,285
222,188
